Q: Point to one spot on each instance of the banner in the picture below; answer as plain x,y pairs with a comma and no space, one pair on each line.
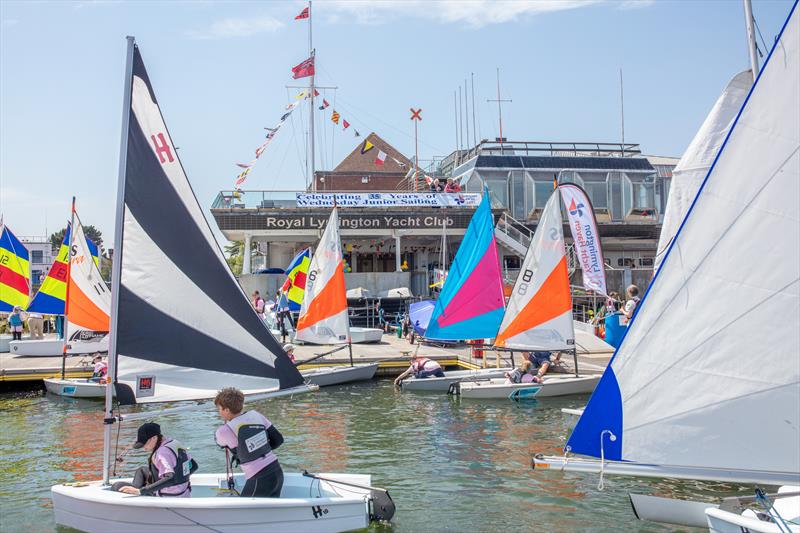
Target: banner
387,199
585,236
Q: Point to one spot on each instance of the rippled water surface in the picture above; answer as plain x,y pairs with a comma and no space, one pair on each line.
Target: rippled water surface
450,465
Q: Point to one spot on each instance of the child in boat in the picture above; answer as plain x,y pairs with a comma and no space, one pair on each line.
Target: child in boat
540,361
289,349
100,369
168,468
421,367
251,438
518,375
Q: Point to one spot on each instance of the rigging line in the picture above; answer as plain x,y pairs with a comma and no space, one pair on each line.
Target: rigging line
333,133
324,151
402,132
294,140
720,239
760,54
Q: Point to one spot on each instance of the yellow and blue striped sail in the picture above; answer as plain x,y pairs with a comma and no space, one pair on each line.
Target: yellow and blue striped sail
53,292
15,272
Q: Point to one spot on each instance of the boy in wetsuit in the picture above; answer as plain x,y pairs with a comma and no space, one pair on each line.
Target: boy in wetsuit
168,468
252,438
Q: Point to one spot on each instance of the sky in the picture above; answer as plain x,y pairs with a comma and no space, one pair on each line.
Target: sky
220,71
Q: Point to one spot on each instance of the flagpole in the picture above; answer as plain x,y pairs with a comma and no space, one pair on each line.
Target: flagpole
116,270
311,95
66,296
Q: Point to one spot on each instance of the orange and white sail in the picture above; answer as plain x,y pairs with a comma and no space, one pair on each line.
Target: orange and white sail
323,315
539,312
88,299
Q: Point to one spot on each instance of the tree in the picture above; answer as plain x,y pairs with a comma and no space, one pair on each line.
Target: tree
235,257
92,233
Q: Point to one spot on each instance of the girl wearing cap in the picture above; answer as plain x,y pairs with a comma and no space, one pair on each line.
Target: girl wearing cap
251,438
289,349
168,467
15,323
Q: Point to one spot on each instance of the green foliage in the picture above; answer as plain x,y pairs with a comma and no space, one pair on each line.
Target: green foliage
92,233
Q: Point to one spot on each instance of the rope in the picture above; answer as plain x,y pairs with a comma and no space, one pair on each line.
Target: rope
612,438
193,521
763,500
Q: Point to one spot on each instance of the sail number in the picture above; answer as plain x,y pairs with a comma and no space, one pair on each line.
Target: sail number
526,279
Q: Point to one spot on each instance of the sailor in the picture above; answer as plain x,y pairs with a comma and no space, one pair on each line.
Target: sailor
168,468
518,375
100,368
251,438
421,367
540,361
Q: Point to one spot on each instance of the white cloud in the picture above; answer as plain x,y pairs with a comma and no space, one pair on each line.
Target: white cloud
474,13
635,4
237,27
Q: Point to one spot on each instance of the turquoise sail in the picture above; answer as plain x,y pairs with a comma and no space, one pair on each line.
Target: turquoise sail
471,304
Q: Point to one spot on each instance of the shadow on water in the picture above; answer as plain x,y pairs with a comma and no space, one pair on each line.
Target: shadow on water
450,464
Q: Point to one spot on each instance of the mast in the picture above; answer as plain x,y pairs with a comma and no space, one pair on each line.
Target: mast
499,109
66,296
622,110
311,95
116,270
751,37
474,133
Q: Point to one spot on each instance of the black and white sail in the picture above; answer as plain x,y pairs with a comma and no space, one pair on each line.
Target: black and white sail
184,327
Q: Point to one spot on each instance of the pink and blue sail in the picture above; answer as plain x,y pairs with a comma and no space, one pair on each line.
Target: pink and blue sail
471,303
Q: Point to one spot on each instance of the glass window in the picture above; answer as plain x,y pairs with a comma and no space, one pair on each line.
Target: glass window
37,256
498,191
615,188
517,186
570,176
543,190
598,193
474,183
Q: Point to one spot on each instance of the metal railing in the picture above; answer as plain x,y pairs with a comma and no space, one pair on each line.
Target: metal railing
555,149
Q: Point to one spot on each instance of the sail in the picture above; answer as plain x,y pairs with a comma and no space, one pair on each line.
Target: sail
49,299
184,327
15,272
708,374
88,303
323,315
295,285
694,165
470,305
539,312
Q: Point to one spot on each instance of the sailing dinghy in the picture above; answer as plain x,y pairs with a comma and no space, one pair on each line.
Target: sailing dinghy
181,328
470,306
538,316
717,397
323,316
87,308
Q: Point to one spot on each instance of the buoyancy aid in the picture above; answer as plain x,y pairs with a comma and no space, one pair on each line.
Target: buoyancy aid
184,466
251,436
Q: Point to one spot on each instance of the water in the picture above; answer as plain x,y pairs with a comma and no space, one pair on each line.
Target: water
450,465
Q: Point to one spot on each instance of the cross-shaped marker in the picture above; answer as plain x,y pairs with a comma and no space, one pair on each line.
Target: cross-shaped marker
415,114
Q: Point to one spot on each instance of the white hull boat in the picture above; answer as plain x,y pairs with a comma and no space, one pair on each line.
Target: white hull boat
37,347
306,504
5,340
434,384
365,335
75,388
336,375
553,385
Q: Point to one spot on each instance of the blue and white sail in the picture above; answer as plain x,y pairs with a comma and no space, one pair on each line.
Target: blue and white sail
708,374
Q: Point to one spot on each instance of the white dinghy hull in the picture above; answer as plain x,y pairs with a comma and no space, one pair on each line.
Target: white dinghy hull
555,385
365,335
94,508
75,388
433,384
37,347
336,375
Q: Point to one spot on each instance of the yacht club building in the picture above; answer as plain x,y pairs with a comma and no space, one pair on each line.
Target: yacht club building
395,236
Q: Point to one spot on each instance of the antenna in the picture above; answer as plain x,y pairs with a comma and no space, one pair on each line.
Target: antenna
499,108
622,110
466,110
474,134
460,122
455,116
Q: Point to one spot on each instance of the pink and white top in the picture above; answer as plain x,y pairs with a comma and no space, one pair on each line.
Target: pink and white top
424,364
165,460
226,437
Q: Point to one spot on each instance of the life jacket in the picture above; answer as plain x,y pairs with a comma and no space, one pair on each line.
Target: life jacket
251,437
183,467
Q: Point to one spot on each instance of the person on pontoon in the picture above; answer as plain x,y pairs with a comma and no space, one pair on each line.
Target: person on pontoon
168,468
521,374
421,367
251,439
631,304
